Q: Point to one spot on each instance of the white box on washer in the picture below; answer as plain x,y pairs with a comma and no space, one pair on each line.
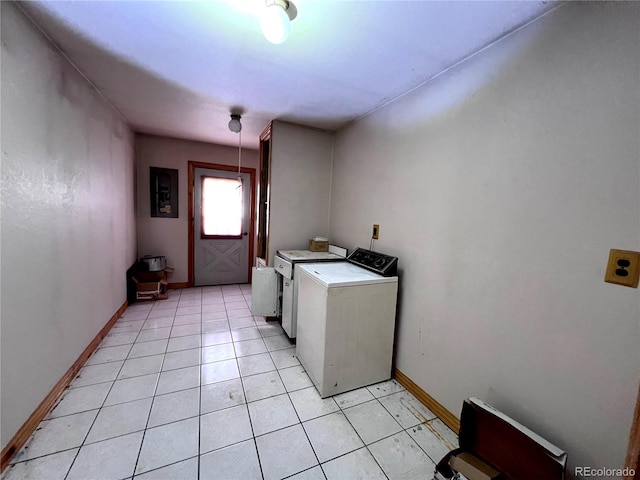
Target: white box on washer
346,325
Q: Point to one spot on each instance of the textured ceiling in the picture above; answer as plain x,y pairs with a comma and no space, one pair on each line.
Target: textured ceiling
179,68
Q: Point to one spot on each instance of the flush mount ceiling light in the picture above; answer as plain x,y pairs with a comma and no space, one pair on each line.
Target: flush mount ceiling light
234,124
276,20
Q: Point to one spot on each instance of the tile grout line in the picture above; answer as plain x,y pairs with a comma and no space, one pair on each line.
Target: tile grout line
102,406
153,400
130,401
200,399
235,358
199,390
181,350
254,437
320,416
246,402
402,426
194,416
365,445
271,396
288,393
161,467
388,436
300,421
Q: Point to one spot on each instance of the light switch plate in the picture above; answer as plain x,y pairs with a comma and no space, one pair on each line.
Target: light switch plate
623,268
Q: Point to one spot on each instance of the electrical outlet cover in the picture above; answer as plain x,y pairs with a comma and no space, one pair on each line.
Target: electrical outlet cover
623,268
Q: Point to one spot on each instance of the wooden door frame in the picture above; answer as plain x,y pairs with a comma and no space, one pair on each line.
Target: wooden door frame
265,136
633,451
191,203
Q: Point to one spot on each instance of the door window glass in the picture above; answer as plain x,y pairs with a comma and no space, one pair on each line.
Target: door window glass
221,207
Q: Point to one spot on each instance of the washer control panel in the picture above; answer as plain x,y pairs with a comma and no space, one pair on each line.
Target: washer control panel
379,263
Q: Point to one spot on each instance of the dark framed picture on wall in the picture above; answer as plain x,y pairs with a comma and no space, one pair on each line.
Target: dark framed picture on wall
164,192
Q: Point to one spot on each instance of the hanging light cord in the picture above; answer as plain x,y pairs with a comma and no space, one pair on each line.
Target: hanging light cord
239,151
239,160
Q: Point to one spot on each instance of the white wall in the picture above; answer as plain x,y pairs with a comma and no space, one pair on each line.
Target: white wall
300,186
169,236
68,224
501,186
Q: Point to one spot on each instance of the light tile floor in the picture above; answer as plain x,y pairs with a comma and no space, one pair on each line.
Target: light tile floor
195,387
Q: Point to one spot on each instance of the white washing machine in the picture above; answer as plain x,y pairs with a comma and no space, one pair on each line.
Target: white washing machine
346,321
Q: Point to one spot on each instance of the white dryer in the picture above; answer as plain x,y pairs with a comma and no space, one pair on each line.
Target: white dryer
346,321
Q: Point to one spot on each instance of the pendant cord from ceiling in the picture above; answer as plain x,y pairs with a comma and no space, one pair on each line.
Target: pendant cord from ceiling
239,152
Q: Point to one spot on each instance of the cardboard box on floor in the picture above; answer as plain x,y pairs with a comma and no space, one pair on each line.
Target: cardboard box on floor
472,467
152,285
503,445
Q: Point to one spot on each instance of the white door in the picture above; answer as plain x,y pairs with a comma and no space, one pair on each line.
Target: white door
222,201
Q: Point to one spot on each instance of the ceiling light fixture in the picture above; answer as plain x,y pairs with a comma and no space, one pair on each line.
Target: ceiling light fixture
276,20
234,124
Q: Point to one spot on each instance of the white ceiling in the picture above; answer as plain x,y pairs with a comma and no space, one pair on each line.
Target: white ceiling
178,68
